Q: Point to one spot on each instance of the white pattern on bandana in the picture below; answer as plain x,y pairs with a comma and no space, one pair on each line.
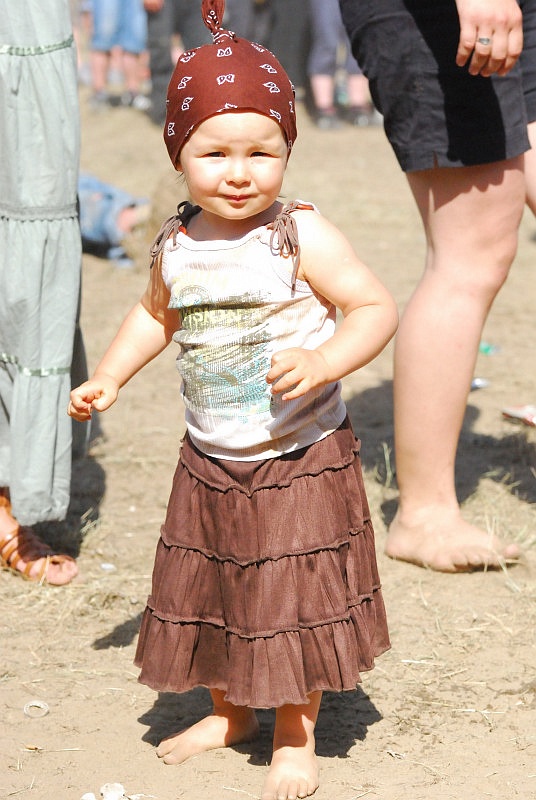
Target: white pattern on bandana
213,86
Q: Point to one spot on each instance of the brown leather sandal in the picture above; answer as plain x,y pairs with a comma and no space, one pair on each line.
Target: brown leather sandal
22,544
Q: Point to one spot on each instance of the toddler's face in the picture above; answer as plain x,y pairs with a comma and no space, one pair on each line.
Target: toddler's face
234,164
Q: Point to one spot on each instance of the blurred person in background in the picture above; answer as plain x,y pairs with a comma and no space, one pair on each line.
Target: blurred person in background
40,266
119,27
456,83
167,22
339,90
283,26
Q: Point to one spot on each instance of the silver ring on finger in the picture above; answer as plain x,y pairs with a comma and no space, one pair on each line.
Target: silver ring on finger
484,40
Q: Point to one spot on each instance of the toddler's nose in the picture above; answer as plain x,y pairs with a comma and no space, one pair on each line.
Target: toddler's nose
238,172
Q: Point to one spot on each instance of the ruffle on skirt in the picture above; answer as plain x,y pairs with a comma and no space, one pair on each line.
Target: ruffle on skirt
265,582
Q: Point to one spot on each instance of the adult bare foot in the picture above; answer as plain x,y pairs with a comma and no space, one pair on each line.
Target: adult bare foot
236,726
22,551
293,773
443,541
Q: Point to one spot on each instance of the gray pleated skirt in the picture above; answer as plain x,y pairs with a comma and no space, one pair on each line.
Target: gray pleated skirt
40,255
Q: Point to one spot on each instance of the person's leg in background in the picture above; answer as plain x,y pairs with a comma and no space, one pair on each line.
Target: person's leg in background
528,68
359,110
530,169
435,355
159,35
240,18
132,38
188,24
428,527
105,24
322,61
471,216
289,39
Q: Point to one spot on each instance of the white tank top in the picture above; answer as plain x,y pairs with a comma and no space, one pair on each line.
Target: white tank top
239,304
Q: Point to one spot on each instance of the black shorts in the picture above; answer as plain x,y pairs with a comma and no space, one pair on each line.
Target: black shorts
435,113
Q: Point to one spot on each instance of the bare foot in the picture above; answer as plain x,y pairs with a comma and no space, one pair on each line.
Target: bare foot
216,730
21,550
293,773
444,541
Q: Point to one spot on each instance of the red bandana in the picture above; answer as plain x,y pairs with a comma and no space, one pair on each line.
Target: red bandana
232,74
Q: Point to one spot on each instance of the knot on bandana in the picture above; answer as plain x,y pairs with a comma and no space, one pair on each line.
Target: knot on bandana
231,74
212,12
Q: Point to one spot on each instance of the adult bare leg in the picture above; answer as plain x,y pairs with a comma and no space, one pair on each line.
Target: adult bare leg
530,169
293,770
100,63
323,90
131,63
471,217
226,726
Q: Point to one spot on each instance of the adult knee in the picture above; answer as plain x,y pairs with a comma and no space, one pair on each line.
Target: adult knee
498,247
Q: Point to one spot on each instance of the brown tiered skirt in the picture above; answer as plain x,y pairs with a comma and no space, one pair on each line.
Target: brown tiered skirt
265,582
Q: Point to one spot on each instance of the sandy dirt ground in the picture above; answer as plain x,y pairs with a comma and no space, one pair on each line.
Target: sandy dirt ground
450,710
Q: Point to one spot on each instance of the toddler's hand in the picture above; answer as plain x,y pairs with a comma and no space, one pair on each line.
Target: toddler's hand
99,393
296,371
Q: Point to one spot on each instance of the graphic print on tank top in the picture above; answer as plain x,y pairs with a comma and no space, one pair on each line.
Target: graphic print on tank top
225,346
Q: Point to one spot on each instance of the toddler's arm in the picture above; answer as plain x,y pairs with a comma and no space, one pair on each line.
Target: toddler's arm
145,332
331,267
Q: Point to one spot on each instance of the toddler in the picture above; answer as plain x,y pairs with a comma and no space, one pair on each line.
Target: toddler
265,585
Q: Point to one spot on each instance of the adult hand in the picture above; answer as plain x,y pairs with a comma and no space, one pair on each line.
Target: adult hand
491,35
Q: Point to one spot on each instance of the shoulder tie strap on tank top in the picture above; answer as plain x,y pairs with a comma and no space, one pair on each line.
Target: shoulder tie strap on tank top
284,236
172,226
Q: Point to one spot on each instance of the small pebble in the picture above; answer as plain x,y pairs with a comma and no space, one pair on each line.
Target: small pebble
112,791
